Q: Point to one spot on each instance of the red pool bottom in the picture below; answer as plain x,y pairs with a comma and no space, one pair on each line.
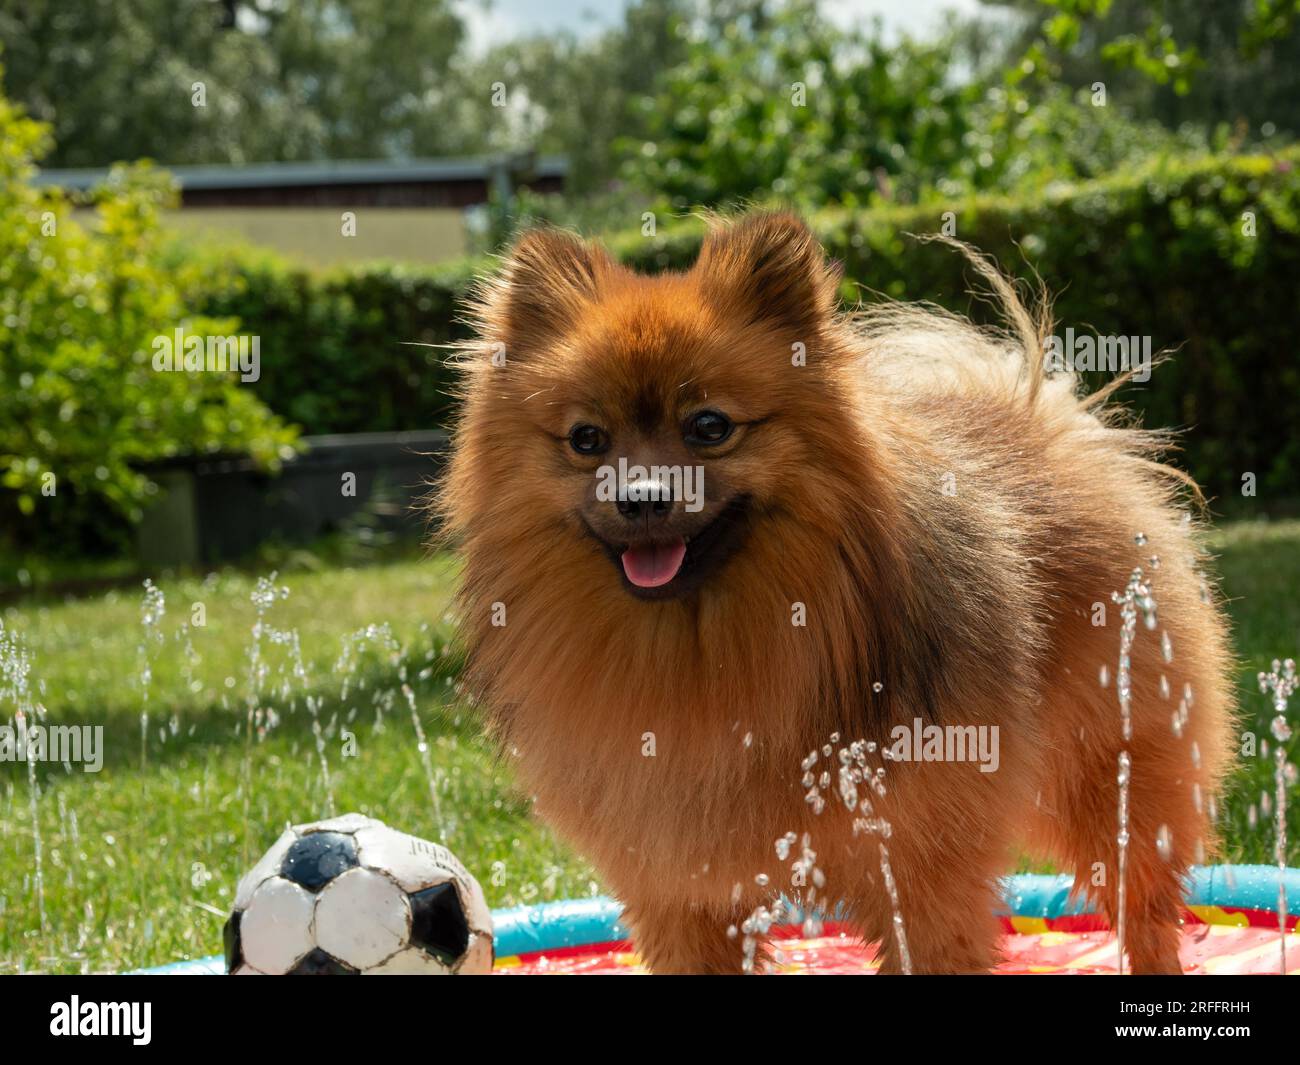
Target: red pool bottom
1206,949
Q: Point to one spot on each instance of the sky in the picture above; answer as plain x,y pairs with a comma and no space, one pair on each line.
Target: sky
490,21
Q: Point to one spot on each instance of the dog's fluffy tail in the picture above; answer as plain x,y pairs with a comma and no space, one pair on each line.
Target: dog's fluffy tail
919,349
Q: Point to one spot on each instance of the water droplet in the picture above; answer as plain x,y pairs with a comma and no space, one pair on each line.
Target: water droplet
1164,843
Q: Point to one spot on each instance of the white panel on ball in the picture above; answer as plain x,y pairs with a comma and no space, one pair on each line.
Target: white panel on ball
362,917
266,868
277,928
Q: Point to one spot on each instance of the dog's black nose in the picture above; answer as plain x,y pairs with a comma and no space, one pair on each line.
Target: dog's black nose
649,500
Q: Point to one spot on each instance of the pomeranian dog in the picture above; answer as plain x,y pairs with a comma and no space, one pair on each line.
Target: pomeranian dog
728,550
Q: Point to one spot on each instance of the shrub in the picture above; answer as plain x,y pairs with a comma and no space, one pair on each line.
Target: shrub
346,350
81,407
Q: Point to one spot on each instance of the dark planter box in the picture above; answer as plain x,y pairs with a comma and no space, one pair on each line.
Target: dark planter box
216,509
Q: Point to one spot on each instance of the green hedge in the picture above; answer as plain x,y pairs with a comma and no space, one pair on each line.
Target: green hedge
343,351
1159,253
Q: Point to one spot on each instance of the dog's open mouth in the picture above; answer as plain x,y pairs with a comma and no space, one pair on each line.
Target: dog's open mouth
668,567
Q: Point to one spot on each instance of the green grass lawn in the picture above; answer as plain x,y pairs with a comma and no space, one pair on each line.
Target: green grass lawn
140,861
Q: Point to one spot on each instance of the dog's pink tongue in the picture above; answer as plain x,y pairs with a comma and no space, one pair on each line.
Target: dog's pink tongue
650,565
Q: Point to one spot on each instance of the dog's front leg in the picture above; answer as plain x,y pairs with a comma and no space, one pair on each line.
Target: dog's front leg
680,938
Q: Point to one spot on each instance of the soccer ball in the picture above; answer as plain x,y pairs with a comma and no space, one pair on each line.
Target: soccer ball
350,895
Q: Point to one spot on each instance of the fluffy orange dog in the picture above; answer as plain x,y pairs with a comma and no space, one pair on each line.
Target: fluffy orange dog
822,529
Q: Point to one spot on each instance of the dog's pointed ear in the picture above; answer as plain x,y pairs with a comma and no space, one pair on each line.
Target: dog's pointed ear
768,267
550,277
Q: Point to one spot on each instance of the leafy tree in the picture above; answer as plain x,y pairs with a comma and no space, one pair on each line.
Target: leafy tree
569,95
774,101
281,79
1179,62
779,102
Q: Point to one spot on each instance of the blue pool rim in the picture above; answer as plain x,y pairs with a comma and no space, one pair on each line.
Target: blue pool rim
581,922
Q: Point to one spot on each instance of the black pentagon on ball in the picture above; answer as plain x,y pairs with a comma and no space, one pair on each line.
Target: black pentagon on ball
318,963
438,923
230,937
315,859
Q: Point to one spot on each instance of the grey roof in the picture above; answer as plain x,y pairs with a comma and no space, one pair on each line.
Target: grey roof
343,172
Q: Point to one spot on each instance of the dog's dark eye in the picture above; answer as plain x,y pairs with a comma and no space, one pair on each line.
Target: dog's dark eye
708,427
588,439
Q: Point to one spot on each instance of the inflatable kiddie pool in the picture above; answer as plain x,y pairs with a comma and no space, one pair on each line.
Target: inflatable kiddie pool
1230,927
